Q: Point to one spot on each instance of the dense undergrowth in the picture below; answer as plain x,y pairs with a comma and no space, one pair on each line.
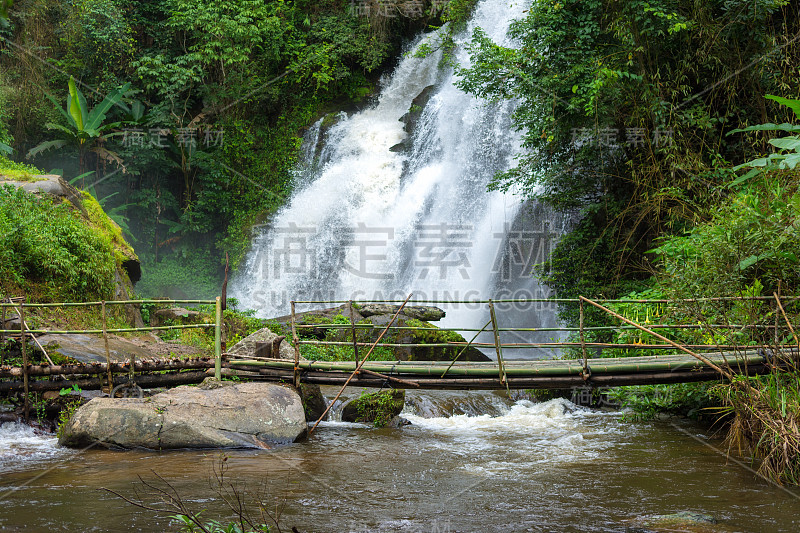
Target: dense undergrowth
210,104
630,127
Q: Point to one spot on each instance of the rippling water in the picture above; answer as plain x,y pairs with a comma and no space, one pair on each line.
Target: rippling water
468,462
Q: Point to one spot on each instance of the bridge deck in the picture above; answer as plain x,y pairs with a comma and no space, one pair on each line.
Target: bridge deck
675,368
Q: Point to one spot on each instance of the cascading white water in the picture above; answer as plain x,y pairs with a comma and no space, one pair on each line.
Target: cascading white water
369,221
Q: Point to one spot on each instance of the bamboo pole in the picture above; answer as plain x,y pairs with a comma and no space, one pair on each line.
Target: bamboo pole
534,382
113,330
353,329
515,368
102,368
145,381
588,328
558,300
715,347
586,371
296,342
359,365
218,338
788,323
393,379
705,360
2,331
23,343
108,352
497,347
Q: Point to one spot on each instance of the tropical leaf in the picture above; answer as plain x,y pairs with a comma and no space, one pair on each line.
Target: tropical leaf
786,143
791,160
4,148
794,105
768,127
43,147
76,105
83,176
108,155
59,127
98,114
745,177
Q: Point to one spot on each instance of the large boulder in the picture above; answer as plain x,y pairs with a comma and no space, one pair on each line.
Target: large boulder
213,415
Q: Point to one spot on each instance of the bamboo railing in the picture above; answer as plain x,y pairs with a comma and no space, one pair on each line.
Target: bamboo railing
501,368
19,305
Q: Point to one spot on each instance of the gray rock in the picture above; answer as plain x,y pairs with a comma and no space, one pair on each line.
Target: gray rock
247,346
419,102
51,185
314,403
418,312
398,422
213,415
88,348
177,315
681,521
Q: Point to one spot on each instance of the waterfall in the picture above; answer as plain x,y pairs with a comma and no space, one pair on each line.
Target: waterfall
379,212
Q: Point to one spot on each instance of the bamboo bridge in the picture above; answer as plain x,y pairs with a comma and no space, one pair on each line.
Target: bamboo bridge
772,344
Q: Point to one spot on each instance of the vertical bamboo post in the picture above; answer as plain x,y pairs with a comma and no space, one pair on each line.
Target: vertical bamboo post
497,347
108,352
777,304
296,343
218,339
24,359
583,345
3,329
353,328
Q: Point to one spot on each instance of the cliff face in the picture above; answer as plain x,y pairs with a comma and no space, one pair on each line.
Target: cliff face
56,242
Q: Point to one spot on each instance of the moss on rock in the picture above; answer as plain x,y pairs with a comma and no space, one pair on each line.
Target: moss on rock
376,408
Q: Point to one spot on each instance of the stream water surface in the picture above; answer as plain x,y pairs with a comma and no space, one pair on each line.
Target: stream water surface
469,462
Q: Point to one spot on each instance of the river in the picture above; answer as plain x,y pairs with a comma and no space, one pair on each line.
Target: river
469,462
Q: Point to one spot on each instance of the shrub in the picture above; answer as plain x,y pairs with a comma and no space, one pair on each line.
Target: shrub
46,248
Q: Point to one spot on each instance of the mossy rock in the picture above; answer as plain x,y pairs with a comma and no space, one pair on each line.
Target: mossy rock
376,408
428,334
314,403
682,521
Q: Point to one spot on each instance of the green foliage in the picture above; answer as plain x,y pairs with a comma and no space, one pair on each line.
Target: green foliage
260,72
789,146
179,276
624,123
46,247
85,128
764,422
750,238
193,524
647,401
97,37
17,171
66,391
67,410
